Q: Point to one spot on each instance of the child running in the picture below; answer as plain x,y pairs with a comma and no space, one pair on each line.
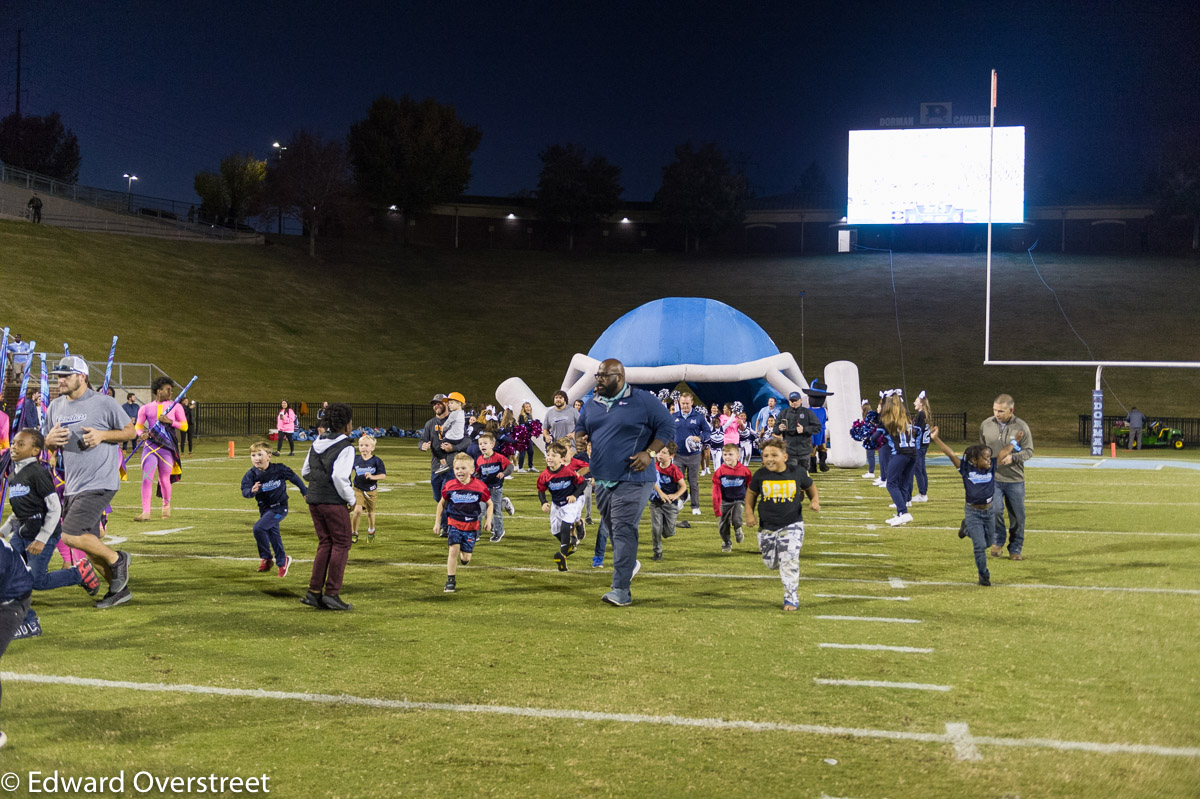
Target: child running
564,487
978,469
267,483
664,502
368,471
35,525
465,500
729,490
493,469
777,491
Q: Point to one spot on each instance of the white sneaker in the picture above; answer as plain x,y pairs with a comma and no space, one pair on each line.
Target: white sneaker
637,567
892,505
920,498
880,483
695,511
507,506
901,519
869,476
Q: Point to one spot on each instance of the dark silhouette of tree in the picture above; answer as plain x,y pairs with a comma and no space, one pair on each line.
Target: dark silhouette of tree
574,189
234,191
40,144
1176,182
311,183
701,192
410,154
813,190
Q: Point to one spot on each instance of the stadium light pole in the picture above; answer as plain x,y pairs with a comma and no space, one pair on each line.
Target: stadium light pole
279,148
129,191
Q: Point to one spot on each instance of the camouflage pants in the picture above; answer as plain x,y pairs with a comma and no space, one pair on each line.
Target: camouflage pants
781,550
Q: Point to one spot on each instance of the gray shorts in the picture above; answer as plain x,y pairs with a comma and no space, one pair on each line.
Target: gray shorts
83,512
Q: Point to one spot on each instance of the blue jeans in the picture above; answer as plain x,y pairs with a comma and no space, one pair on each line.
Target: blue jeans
266,534
979,522
1013,496
43,579
622,507
497,509
602,537
899,480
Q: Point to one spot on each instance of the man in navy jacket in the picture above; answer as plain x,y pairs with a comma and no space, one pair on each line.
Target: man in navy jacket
625,426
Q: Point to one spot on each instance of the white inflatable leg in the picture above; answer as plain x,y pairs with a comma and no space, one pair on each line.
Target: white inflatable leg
844,409
513,393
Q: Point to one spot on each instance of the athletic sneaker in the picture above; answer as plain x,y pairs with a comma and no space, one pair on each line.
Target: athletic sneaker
597,561
335,602
903,518
657,556
353,537
265,564
695,511
739,535
921,498
726,547
450,586
114,598
370,536
637,567
869,475
497,536
880,483
620,599
507,506
287,564
120,571
312,600
561,561
88,578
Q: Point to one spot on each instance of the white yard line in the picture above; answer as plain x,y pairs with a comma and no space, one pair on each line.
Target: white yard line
854,554
919,650
964,745
856,565
895,582
864,596
884,619
907,686
864,535
955,739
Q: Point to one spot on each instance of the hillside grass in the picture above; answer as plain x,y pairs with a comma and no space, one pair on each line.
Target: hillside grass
374,322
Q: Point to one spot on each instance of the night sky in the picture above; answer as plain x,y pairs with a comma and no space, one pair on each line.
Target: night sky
166,89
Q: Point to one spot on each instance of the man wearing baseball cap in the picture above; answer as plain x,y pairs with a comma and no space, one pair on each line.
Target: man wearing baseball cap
797,425
89,428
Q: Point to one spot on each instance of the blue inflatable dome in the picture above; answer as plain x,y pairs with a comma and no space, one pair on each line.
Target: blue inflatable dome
679,330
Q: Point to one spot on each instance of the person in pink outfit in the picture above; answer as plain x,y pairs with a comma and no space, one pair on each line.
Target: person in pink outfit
285,424
160,452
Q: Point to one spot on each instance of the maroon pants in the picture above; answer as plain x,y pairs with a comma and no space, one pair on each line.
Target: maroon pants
333,548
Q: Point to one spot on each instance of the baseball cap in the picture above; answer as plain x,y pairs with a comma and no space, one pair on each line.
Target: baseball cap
438,398
795,395
71,365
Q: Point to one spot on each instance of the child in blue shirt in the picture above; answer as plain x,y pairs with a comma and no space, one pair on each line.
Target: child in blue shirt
978,469
368,471
267,483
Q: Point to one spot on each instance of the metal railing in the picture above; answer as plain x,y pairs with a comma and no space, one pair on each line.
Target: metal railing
256,418
1189,426
951,426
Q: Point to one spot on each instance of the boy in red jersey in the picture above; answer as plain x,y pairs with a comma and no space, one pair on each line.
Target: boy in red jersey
464,499
564,487
493,469
729,486
664,502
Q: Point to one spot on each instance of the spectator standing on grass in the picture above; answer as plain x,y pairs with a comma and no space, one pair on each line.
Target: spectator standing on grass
922,422
328,467
433,442
625,426
131,408
560,420
525,418
88,428
995,433
691,438
285,426
797,425
1137,422
35,209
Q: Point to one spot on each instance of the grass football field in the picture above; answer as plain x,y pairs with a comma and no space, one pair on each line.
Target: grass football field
1075,675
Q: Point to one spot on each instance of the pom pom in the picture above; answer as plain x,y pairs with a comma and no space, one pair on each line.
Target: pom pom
738,407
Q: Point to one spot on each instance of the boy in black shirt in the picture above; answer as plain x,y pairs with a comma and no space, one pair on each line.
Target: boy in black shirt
267,483
777,490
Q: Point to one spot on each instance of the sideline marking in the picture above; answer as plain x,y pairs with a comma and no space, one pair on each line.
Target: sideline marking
893,582
626,718
857,554
166,532
864,535
880,648
856,565
864,596
907,686
964,745
871,618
